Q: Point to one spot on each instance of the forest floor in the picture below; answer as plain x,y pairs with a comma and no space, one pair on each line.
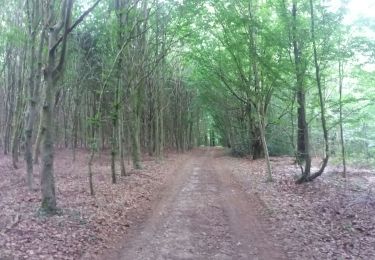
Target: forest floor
198,205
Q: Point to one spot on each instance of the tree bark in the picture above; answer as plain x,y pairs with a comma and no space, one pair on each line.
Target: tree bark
52,73
17,118
135,133
262,127
33,90
321,99
303,150
342,140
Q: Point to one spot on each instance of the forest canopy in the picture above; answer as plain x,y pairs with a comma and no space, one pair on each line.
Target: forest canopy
261,78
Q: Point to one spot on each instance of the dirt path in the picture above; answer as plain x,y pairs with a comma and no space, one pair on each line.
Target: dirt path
203,214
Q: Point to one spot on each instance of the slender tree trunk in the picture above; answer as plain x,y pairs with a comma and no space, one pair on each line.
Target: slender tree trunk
303,150
33,90
115,131
116,103
91,160
114,146
262,127
321,99
31,109
121,148
18,125
38,141
135,134
75,128
302,130
342,140
10,91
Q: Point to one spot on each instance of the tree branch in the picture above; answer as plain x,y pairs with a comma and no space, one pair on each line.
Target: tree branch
76,23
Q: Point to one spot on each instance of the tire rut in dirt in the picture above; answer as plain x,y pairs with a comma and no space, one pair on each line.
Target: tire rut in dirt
202,215
246,223
191,226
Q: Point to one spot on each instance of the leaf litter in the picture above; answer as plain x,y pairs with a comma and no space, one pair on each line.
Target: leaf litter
86,226
329,218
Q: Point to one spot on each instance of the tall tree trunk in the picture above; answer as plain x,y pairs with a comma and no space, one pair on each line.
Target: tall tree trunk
116,103
10,90
47,140
17,123
321,99
342,140
121,147
75,127
38,140
257,146
33,90
57,37
115,129
135,132
303,153
262,127
52,73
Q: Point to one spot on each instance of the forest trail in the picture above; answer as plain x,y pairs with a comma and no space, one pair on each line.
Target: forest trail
202,214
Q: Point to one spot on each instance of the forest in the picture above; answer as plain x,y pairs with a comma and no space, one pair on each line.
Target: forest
187,129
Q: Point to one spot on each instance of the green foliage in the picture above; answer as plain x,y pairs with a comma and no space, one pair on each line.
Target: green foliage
95,120
218,63
220,58
14,36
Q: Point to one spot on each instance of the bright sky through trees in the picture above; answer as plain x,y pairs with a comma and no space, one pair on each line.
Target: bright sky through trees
356,9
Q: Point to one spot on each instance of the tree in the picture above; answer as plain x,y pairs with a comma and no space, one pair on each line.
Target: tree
59,28
306,175
34,14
